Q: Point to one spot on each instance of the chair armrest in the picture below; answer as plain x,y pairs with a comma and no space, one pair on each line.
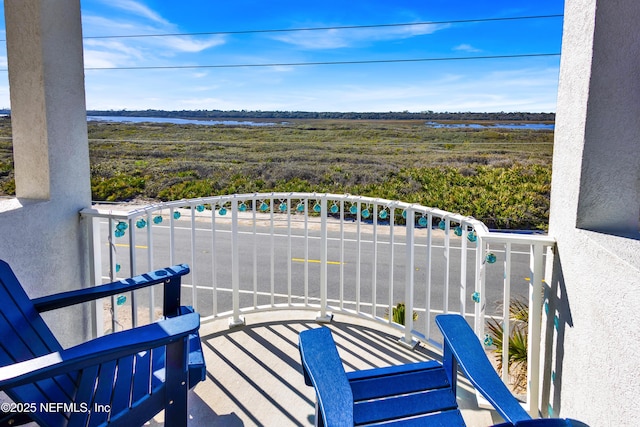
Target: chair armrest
323,369
100,350
65,299
461,343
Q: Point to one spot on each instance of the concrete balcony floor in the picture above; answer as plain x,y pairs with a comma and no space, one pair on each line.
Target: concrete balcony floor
254,376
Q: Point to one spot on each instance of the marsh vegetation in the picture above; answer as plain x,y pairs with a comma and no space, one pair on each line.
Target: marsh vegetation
501,176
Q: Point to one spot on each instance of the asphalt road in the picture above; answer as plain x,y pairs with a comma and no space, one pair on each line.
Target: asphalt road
265,262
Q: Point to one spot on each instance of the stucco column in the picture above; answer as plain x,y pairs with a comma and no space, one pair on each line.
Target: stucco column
42,234
592,299
48,113
597,147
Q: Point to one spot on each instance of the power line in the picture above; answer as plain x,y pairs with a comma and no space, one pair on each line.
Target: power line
296,64
340,27
337,27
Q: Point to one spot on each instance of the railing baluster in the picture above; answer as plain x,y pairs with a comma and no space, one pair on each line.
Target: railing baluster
374,262
358,255
133,272
342,254
306,251
506,321
478,289
409,276
112,272
255,252
214,272
150,266
236,320
324,316
463,272
95,255
392,242
289,253
194,269
447,258
428,268
272,245
535,324
172,246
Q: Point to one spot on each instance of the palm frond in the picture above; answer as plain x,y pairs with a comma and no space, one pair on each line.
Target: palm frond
517,339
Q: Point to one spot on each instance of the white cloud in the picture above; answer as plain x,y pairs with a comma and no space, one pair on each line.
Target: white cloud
113,47
99,59
340,38
105,53
138,9
93,25
531,90
325,39
137,51
190,44
466,48
487,91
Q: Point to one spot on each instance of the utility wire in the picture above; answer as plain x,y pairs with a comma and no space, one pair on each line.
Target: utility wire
343,27
295,64
292,64
338,27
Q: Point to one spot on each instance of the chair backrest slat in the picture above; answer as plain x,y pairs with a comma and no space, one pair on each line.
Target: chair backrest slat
323,368
25,335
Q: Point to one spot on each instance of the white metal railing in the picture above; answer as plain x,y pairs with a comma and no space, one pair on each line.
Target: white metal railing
328,252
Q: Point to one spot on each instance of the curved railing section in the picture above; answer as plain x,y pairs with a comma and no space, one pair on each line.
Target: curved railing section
331,253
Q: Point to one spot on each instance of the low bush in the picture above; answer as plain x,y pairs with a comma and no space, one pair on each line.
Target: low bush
502,178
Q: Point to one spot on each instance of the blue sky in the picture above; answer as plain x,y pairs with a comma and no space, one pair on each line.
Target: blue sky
505,84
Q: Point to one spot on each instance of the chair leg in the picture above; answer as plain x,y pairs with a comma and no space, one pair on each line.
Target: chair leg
176,412
176,382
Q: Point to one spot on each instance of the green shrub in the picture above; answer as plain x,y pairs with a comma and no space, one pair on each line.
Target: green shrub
119,187
505,183
398,314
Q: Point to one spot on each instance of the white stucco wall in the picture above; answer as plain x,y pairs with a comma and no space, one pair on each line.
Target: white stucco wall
42,235
595,206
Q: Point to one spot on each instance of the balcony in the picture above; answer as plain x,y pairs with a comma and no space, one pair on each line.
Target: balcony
280,262
593,217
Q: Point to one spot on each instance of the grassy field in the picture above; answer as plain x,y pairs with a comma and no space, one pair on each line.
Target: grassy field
499,176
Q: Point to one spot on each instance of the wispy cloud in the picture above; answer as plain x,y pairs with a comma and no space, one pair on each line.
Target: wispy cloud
139,19
139,9
516,90
101,59
106,53
190,44
113,47
523,89
341,38
466,48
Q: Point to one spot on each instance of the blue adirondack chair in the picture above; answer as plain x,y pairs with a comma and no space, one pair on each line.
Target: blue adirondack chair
125,378
415,394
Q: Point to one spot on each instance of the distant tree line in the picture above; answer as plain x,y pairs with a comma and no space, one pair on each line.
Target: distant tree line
271,115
